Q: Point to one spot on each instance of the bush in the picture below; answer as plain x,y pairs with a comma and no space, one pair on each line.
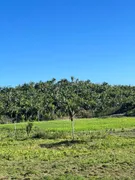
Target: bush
40,135
29,128
131,113
84,114
5,119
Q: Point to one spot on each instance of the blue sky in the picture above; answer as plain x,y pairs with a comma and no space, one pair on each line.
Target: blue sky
42,39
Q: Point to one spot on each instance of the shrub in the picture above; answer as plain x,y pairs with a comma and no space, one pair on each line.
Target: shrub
29,128
5,119
39,135
84,114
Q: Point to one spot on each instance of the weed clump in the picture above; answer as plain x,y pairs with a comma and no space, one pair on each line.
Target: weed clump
29,128
40,135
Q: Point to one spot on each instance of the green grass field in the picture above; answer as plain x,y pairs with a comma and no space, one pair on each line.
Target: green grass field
102,149
81,124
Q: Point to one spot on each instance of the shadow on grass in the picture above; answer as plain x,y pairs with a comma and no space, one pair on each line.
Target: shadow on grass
125,133
61,143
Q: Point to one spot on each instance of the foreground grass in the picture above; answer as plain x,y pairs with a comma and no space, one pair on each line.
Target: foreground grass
101,154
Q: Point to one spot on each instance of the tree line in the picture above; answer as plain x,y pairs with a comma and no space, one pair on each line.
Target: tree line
65,98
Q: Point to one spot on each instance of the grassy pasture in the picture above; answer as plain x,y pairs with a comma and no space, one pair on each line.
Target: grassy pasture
103,149
81,124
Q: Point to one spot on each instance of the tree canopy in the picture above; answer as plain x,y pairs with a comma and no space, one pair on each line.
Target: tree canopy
65,98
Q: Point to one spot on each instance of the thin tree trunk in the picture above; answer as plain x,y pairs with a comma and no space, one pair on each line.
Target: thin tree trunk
15,128
73,129
38,115
26,117
16,117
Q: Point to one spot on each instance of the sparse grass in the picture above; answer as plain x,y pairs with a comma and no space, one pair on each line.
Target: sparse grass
103,149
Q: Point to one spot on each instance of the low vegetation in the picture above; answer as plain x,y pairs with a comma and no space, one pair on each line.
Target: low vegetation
102,149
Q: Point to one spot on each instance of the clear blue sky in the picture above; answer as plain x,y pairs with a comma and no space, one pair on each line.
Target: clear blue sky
87,39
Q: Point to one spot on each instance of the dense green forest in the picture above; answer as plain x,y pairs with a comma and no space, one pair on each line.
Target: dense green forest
65,98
